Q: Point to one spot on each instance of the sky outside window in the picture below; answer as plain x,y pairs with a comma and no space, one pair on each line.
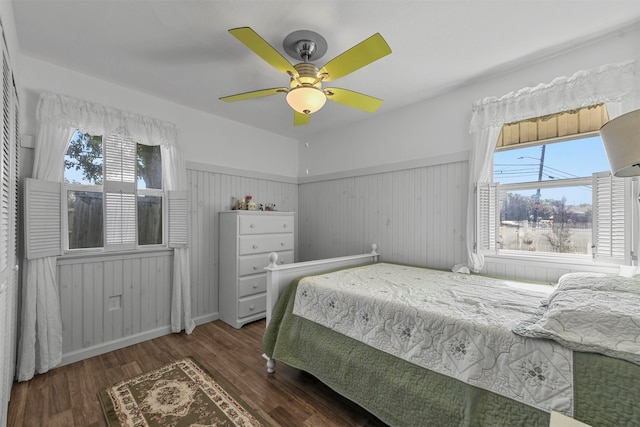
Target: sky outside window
562,160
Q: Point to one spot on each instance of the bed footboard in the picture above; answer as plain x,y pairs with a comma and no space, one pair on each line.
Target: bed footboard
280,275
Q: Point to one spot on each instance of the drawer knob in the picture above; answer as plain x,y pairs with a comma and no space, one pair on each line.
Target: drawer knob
252,225
255,267
281,243
255,286
252,307
255,246
284,225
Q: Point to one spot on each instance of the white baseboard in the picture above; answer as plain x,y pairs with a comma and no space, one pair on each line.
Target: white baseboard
96,350
206,318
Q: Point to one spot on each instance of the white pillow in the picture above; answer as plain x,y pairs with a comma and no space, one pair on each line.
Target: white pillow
591,313
629,270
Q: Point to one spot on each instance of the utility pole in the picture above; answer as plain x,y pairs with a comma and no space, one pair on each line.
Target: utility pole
537,201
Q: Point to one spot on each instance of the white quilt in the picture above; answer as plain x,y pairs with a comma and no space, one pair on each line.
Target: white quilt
455,324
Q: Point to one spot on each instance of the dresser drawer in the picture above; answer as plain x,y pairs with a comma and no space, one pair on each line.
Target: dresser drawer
263,244
257,224
254,264
252,305
252,285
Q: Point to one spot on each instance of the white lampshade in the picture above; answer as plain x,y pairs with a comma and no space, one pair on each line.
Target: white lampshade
306,99
621,139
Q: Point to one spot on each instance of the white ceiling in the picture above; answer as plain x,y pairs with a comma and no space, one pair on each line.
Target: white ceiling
180,50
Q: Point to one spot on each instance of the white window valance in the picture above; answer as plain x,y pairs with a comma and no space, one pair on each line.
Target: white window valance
96,119
615,85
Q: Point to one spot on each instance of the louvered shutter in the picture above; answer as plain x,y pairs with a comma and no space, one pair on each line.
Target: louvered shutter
487,215
178,219
16,180
42,218
12,325
610,207
5,187
7,284
119,188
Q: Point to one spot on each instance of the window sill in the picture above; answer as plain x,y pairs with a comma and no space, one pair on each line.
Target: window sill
585,262
71,257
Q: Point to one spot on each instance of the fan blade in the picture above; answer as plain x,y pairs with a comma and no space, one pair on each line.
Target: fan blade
353,99
264,50
254,94
300,119
364,53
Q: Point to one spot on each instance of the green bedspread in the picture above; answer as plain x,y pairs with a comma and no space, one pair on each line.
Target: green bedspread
607,390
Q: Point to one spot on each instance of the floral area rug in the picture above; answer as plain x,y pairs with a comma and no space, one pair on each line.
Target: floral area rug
181,393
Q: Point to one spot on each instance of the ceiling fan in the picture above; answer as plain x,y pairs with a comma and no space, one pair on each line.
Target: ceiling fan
305,93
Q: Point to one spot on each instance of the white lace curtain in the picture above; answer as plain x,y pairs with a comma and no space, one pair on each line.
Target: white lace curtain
40,347
616,85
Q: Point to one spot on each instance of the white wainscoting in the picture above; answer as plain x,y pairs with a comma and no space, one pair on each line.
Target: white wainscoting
111,301
415,213
210,191
548,270
416,216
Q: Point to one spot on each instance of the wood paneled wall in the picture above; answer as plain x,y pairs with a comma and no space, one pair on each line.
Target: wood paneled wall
112,301
210,192
541,271
415,216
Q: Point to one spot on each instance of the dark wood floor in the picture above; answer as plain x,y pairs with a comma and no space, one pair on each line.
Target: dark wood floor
67,396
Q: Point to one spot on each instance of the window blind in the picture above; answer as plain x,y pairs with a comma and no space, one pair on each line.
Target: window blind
120,191
553,126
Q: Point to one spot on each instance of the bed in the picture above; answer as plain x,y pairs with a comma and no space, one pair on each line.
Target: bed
474,359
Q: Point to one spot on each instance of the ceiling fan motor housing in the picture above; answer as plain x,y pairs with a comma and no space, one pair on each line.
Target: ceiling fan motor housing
307,76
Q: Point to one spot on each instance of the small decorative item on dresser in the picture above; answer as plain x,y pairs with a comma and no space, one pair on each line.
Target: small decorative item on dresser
251,204
241,205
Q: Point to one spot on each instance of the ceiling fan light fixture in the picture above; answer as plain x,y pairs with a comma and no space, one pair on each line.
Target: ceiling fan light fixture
306,99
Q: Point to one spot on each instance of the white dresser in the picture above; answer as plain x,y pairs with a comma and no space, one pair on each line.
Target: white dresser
246,239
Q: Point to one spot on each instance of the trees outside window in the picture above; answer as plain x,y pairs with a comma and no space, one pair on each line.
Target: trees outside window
545,196
115,199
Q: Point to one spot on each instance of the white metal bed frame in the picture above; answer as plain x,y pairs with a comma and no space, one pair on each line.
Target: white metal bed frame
280,275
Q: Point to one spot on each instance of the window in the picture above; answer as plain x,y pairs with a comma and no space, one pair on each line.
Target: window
554,196
83,179
114,193
546,197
